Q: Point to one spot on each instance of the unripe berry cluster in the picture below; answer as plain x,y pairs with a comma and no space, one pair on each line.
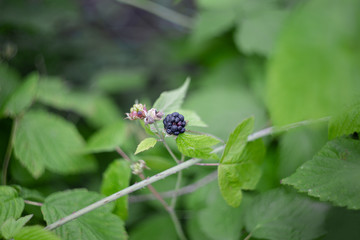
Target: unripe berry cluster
174,123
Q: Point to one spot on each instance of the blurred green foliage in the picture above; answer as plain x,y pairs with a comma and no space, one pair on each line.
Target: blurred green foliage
80,65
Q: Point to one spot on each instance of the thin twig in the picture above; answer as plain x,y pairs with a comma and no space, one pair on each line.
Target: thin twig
248,236
9,151
123,192
182,191
274,130
33,203
123,154
161,11
168,208
163,175
165,144
208,164
156,194
170,151
177,225
177,187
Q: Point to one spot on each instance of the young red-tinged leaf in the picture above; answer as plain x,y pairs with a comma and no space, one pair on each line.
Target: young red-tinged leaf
145,144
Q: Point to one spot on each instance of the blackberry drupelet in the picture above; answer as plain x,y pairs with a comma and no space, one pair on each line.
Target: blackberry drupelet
174,123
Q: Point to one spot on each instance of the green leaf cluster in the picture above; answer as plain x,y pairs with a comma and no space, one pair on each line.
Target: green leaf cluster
240,163
172,100
281,61
35,233
46,141
115,178
98,224
332,174
197,146
280,215
312,76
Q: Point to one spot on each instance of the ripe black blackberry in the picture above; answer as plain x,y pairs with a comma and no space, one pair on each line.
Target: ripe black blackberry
174,123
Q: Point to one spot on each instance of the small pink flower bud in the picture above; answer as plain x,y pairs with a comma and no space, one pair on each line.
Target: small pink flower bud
138,111
152,116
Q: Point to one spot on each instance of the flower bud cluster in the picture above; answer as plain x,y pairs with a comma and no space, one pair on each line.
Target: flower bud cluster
139,111
138,167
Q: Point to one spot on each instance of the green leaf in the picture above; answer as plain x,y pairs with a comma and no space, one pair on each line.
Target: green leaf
107,138
345,123
277,215
196,146
29,194
115,80
212,23
192,118
22,96
342,223
11,205
54,92
242,173
298,146
35,233
193,229
117,177
149,129
11,226
213,4
104,111
46,141
217,219
237,141
314,71
157,163
98,109
332,175
159,227
145,144
215,103
258,33
96,225
9,81
171,100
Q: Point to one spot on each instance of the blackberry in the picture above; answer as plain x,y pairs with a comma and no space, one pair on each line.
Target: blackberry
174,123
